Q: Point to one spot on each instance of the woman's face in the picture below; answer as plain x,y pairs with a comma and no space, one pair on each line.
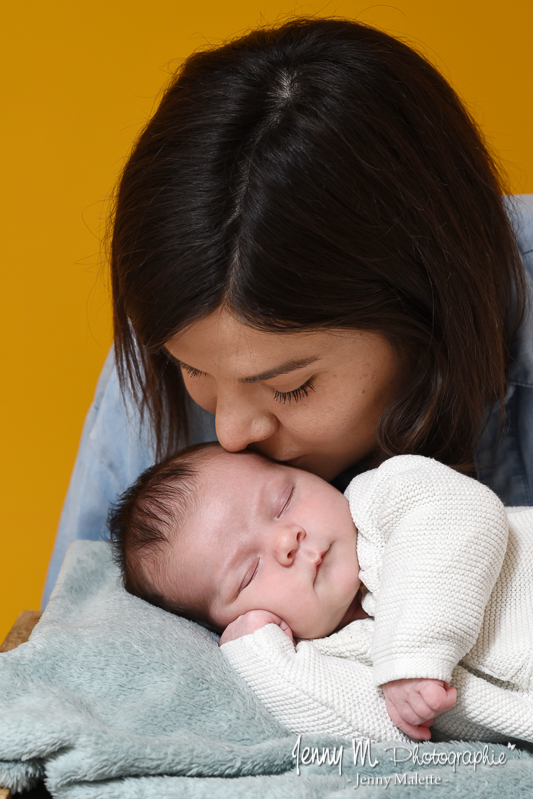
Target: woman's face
311,400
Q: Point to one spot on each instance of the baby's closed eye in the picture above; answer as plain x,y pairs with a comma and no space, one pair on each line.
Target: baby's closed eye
249,576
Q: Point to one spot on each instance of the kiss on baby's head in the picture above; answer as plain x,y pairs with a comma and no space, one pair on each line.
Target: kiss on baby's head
211,535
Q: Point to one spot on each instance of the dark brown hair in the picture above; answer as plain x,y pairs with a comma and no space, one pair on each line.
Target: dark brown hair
319,175
147,516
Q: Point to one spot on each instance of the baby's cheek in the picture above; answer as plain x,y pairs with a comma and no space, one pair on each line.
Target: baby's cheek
306,617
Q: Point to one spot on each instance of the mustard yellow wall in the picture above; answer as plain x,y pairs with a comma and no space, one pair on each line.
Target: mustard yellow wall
79,80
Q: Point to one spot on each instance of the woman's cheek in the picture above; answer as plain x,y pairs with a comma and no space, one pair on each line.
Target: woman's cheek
203,395
322,418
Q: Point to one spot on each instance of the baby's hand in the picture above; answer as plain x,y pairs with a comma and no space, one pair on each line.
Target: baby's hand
413,704
252,621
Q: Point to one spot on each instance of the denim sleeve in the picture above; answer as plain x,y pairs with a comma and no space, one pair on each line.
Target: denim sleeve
114,449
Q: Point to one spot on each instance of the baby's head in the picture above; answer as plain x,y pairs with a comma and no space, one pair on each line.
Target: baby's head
210,535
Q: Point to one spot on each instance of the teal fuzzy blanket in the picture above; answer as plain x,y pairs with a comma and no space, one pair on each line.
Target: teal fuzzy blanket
114,699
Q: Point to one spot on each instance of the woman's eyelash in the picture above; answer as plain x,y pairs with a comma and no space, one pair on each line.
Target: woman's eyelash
296,395
279,396
191,371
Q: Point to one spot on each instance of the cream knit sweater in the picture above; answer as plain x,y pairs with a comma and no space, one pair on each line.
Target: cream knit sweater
450,592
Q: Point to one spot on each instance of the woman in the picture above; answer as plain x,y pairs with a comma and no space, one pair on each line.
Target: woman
311,256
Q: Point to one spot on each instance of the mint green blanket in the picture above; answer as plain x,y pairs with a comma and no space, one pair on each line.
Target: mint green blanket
112,698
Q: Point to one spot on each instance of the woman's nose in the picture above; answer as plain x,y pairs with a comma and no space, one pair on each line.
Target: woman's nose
287,540
239,424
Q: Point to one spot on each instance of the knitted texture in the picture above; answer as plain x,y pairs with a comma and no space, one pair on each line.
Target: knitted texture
311,689
431,544
450,579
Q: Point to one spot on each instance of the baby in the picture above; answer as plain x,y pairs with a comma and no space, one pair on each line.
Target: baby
240,543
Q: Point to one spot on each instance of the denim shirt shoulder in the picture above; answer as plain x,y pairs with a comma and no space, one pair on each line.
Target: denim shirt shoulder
521,372
504,459
114,449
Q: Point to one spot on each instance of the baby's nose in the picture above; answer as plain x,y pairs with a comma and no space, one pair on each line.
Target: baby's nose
287,543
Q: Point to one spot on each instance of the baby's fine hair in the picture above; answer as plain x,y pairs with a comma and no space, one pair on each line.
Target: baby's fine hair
148,514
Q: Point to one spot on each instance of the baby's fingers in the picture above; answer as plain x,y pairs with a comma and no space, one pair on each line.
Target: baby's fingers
451,698
419,732
249,622
414,710
438,697
286,629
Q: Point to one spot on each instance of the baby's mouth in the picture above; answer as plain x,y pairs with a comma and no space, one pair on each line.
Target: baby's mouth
320,560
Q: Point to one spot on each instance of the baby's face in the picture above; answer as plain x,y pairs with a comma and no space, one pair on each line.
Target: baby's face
270,537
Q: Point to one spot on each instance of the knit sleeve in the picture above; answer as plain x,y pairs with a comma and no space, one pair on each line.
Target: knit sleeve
431,543
309,688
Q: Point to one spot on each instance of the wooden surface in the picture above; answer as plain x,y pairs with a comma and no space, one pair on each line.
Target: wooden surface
19,634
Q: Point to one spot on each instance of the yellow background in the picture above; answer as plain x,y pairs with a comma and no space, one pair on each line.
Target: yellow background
79,80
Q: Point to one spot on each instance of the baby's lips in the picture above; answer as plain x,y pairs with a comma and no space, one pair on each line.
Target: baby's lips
319,560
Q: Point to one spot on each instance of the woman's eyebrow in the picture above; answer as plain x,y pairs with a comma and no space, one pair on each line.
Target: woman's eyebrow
282,369
177,362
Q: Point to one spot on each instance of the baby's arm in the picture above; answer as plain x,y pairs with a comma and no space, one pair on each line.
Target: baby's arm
319,686
413,704
431,545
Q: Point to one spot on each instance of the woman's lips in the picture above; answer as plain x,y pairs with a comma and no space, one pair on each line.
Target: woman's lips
285,461
293,461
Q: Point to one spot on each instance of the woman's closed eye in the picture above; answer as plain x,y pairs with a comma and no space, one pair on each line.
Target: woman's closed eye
191,371
294,396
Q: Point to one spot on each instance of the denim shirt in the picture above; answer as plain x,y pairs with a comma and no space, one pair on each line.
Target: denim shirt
504,459
115,448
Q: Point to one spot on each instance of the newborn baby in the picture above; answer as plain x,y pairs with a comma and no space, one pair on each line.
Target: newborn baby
237,542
